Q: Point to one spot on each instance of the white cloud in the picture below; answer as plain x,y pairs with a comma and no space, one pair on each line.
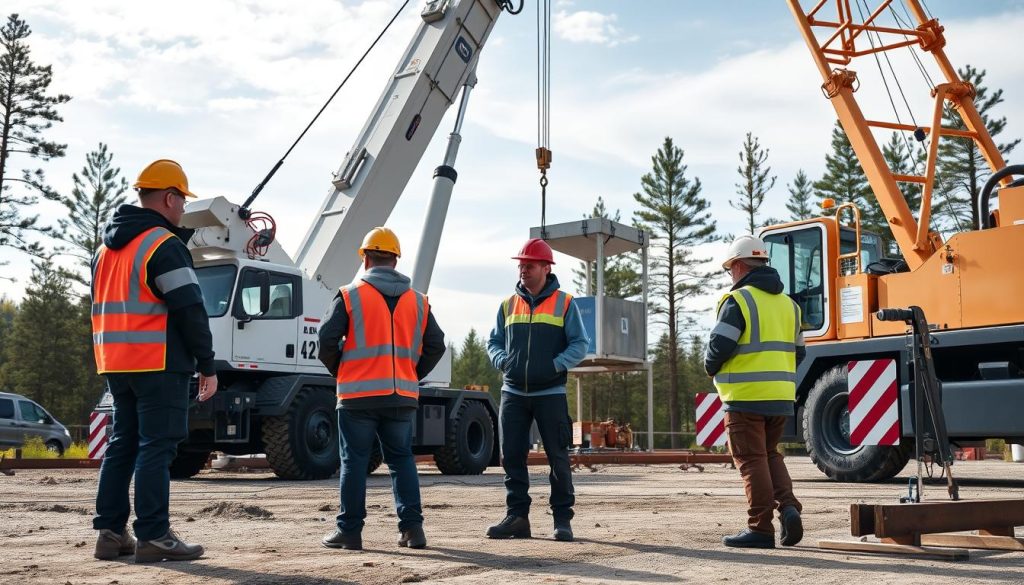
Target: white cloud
586,26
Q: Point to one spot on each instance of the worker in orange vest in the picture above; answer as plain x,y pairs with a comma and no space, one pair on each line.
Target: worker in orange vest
379,339
537,338
150,334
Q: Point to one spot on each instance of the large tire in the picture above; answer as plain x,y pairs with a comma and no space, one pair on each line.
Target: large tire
827,436
469,442
188,463
303,443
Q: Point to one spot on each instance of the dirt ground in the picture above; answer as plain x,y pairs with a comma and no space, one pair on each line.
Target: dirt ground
634,524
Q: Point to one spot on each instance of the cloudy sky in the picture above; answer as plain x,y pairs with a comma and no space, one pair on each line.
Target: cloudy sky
224,87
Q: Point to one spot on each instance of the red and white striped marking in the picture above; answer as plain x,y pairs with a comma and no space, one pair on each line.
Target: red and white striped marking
874,408
98,422
710,416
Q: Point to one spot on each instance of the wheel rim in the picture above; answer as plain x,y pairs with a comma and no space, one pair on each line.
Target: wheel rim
836,425
319,432
475,439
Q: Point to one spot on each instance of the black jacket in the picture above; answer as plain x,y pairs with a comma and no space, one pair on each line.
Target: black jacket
189,342
721,348
391,284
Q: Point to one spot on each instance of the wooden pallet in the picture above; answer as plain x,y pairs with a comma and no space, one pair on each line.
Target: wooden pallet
923,529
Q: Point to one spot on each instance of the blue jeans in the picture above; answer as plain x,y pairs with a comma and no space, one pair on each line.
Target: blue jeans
358,430
150,419
515,418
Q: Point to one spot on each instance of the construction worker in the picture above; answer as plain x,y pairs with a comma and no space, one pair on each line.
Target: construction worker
379,339
150,335
538,337
752,354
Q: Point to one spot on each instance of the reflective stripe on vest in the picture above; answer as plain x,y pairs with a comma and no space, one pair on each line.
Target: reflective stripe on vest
381,347
129,322
764,365
550,311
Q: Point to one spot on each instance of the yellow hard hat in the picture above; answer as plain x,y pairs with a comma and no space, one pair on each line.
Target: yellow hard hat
163,174
381,239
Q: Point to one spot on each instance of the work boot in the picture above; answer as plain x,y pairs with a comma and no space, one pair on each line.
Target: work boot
345,540
792,528
511,527
166,548
110,545
563,531
747,538
413,537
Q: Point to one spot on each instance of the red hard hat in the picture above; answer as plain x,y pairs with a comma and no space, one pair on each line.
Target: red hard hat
536,249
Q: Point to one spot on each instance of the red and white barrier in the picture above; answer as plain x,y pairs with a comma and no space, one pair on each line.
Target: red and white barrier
874,408
98,422
710,416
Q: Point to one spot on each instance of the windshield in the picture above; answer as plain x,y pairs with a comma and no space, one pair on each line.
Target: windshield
870,245
216,283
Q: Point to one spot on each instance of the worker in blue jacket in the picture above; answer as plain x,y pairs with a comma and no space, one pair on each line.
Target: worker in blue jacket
538,337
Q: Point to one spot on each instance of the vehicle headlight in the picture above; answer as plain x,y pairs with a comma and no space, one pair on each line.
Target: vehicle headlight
67,432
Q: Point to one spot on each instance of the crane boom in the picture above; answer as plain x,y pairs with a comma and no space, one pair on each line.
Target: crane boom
433,69
916,241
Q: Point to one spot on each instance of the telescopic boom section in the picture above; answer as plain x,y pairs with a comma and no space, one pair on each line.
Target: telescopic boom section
842,44
433,69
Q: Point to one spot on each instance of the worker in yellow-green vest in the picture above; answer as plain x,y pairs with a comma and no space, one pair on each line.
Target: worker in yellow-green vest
752,354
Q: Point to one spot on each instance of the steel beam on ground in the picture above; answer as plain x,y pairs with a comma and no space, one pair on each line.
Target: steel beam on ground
892,520
50,464
636,458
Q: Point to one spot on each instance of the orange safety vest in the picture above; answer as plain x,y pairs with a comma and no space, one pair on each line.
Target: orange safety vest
129,322
382,347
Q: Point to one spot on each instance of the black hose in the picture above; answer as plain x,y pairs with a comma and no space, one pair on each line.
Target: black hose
895,315
986,192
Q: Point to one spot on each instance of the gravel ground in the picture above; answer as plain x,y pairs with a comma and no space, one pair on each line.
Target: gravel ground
634,524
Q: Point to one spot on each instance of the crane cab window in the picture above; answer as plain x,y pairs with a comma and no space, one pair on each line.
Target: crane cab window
797,256
281,290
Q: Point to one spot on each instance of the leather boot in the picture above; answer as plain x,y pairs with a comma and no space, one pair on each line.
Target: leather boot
511,527
413,537
747,538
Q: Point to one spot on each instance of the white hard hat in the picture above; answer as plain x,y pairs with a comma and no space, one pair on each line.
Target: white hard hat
745,246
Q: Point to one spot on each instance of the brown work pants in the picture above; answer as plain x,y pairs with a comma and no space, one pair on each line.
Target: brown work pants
753,443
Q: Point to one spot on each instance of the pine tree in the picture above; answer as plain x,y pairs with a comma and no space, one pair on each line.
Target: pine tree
471,366
25,112
962,169
677,218
845,182
903,159
800,191
621,278
96,194
8,310
46,345
754,180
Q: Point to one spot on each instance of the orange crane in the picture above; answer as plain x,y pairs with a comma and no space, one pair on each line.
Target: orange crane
838,276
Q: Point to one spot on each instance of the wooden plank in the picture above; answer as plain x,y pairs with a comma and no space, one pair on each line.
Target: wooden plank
945,554
974,541
935,517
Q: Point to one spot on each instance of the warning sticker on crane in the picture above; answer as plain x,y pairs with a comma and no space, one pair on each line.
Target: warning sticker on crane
98,422
873,404
851,304
710,414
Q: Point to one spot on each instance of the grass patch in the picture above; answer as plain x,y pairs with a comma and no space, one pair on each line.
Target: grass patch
35,448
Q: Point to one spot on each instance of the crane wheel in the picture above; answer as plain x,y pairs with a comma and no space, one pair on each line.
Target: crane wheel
469,442
826,421
303,443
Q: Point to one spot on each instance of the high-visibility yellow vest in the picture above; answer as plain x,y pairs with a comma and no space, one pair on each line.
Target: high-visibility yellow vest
764,365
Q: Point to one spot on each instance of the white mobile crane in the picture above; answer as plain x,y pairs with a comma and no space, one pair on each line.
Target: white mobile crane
265,307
